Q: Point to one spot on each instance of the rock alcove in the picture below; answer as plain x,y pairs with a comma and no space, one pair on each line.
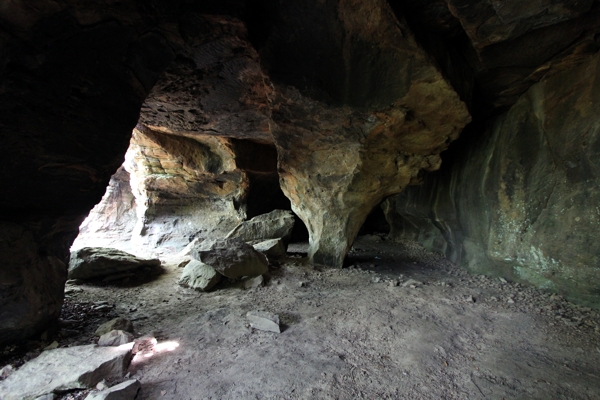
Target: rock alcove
471,126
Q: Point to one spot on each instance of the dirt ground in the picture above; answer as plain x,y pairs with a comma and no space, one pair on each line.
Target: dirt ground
399,323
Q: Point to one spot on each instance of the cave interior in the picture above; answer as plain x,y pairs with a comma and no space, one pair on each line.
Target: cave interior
469,128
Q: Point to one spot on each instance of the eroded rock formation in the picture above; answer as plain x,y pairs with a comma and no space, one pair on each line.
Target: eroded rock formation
354,98
522,202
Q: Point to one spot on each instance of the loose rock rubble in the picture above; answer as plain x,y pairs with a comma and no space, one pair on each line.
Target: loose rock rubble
356,332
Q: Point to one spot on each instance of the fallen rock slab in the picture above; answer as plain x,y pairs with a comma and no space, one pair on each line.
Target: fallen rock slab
274,249
115,338
199,276
127,390
232,258
98,262
117,324
264,321
62,369
274,225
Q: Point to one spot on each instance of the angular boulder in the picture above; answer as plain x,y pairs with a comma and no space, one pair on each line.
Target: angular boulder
116,324
274,225
98,262
127,390
199,276
115,338
231,258
274,249
62,369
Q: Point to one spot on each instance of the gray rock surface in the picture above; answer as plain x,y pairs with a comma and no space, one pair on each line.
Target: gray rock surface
127,390
66,368
231,257
115,324
273,225
199,276
97,262
115,338
253,283
264,321
274,249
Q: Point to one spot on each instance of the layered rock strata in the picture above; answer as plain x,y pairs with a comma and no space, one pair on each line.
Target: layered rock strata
522,200
338,162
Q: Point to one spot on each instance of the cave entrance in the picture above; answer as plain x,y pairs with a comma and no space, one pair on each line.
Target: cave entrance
173,189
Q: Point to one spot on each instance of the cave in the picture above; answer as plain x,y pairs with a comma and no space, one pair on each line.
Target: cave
435,159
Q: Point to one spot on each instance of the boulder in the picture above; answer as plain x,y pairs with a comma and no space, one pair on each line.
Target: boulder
199,276
274,225
274,249
63,369
117,324
231,257
115,338
264,321
98,262
127,390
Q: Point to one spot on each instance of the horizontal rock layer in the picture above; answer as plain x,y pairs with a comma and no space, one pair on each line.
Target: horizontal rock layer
522,200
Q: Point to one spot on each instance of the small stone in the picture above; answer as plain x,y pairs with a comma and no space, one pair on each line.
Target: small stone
503,280
253,283
264,321
376,279
301,284
117,324
6,371
393,283
510,301
115,338
52,346
183,263
471,299
102,385
412,283
127,390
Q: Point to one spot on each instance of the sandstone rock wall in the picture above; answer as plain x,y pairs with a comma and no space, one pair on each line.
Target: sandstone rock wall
521,200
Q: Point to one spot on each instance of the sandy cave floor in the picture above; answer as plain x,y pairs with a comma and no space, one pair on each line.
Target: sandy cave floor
351,333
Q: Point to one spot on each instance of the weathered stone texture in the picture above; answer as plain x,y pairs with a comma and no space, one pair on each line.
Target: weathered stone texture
337,162
522,201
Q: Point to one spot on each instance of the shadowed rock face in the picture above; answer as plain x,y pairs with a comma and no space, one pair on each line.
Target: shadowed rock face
337,162
522,201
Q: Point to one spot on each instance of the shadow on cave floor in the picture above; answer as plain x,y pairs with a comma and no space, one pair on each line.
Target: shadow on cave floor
397,322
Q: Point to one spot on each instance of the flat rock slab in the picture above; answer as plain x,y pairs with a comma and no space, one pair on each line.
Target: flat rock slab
58,370
123,391
232,258
264,321
99,262
274,225
199,276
